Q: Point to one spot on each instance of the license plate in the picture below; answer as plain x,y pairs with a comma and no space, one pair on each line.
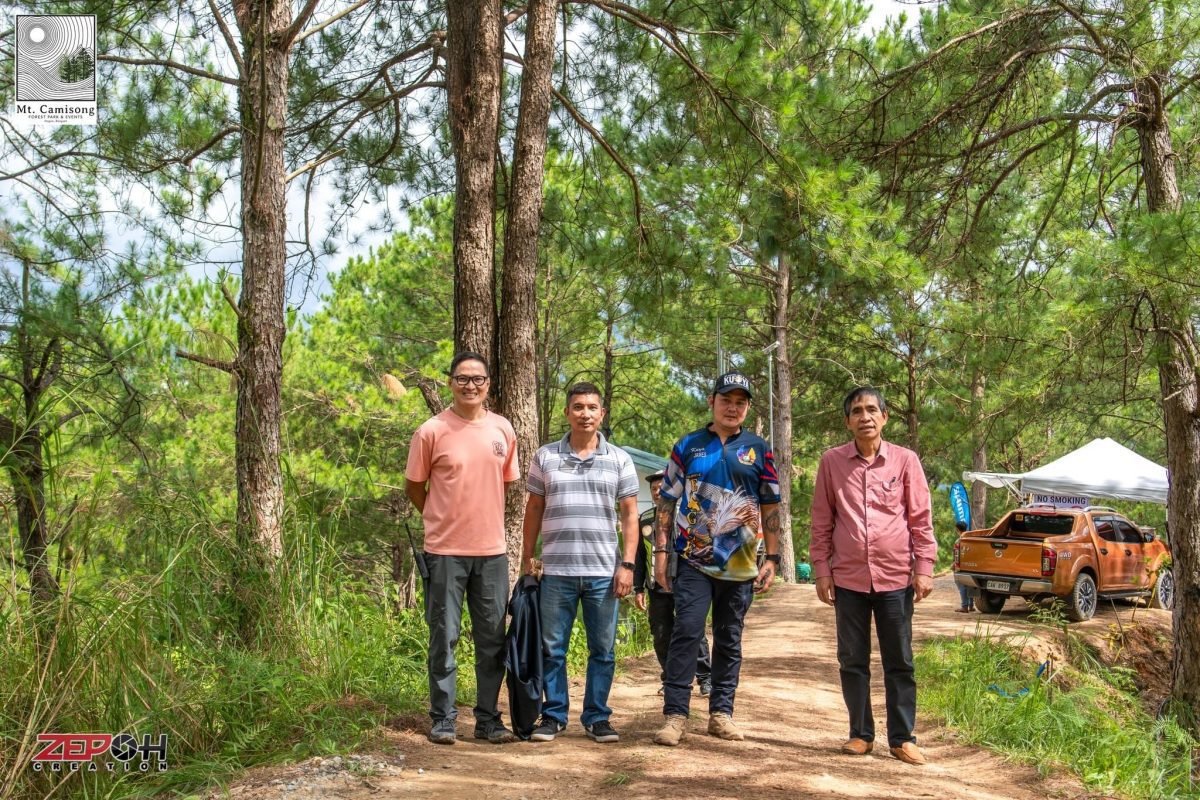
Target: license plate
999,586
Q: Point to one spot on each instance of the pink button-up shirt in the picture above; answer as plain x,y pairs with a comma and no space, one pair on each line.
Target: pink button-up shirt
871,523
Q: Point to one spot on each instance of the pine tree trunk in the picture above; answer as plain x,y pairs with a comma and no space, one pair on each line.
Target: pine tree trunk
28,477
1178,356
978,450
518,363
473,40
262,99
782,446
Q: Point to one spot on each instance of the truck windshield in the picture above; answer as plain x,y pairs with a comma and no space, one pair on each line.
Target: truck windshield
1042,524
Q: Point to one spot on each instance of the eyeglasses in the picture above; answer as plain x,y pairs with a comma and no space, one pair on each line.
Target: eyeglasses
463,380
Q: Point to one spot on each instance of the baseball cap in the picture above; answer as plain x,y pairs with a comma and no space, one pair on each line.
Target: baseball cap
731,381
654,476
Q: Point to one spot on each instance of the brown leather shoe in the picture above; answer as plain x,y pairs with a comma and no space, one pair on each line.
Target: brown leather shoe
909,753
857,747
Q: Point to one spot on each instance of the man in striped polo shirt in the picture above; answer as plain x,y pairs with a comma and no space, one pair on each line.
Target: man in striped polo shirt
575,488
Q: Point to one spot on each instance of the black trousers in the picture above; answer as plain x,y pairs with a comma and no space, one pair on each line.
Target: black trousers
892,612
660,608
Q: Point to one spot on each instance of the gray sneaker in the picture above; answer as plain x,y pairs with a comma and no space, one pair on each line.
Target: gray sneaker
494,731
443,732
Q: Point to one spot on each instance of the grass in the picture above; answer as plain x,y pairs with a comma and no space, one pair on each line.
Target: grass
1096,728
156,651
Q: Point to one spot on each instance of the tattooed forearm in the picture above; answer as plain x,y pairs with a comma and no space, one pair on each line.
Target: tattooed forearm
770,518
665,510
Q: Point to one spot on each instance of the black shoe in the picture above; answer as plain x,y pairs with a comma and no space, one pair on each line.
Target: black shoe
442,732
705,687
547,729
602,732
494,731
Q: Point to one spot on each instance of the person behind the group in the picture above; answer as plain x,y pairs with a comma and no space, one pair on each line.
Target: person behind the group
719,491
661,610
965,598
458,464
873,552
575,487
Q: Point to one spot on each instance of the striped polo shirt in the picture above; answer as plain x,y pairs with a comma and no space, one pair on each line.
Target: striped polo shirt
579,526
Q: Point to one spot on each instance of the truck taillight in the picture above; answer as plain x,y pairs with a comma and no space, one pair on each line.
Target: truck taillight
1049,562
957,553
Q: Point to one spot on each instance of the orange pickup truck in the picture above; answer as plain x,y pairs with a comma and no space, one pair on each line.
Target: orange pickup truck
1077,555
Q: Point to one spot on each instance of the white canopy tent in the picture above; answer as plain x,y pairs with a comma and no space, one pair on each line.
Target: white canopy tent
1101,468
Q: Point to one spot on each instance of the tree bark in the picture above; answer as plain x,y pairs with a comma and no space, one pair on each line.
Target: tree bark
979,460
28,477
473,81
1178,360
262,99
782,446
518,364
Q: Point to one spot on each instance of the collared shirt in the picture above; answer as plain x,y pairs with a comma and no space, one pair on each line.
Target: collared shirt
871,524
579,524
709,478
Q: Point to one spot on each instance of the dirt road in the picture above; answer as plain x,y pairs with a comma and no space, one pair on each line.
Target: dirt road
789,703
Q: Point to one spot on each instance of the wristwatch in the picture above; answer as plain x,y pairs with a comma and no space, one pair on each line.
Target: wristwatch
773,558
627,565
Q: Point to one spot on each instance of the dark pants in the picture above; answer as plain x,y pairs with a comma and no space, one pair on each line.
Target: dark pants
695,593
661,611
483,581
893,627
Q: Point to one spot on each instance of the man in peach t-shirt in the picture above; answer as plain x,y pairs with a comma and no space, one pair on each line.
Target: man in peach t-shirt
458,465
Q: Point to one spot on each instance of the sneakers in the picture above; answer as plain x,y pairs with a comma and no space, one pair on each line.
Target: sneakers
672,732
547,729
705,686
721,725
494,731
443,732
602,732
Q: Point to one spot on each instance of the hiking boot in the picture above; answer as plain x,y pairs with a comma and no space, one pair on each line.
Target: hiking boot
721,725
547,729
602,732
494,731
705,686
443,732
672,732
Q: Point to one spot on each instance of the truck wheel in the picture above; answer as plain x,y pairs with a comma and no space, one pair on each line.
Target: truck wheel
1163,595
990,602
1081,603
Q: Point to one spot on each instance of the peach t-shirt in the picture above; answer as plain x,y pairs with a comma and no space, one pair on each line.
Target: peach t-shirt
466,464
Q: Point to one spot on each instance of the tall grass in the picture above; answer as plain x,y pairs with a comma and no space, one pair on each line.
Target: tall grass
157,652
1095,729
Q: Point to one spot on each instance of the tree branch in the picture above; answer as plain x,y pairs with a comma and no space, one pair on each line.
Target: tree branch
157,62
230,42
224,366
323,25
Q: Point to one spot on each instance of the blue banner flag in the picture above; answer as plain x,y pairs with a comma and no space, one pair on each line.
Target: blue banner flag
960,504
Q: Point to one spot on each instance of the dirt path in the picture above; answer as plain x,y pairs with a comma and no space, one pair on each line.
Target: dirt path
789,703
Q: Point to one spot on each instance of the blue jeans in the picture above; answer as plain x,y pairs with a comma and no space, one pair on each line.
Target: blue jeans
695,593
560,599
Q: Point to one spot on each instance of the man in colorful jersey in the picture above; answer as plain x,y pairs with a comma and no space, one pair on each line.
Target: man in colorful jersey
872,554
720,491
575,487
458,465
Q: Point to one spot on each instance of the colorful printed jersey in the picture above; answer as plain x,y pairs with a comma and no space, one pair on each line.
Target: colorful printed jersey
719,489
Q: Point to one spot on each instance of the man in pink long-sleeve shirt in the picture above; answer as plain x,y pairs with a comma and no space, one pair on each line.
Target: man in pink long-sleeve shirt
872,555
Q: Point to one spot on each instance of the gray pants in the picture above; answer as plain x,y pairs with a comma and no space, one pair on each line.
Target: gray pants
484,582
